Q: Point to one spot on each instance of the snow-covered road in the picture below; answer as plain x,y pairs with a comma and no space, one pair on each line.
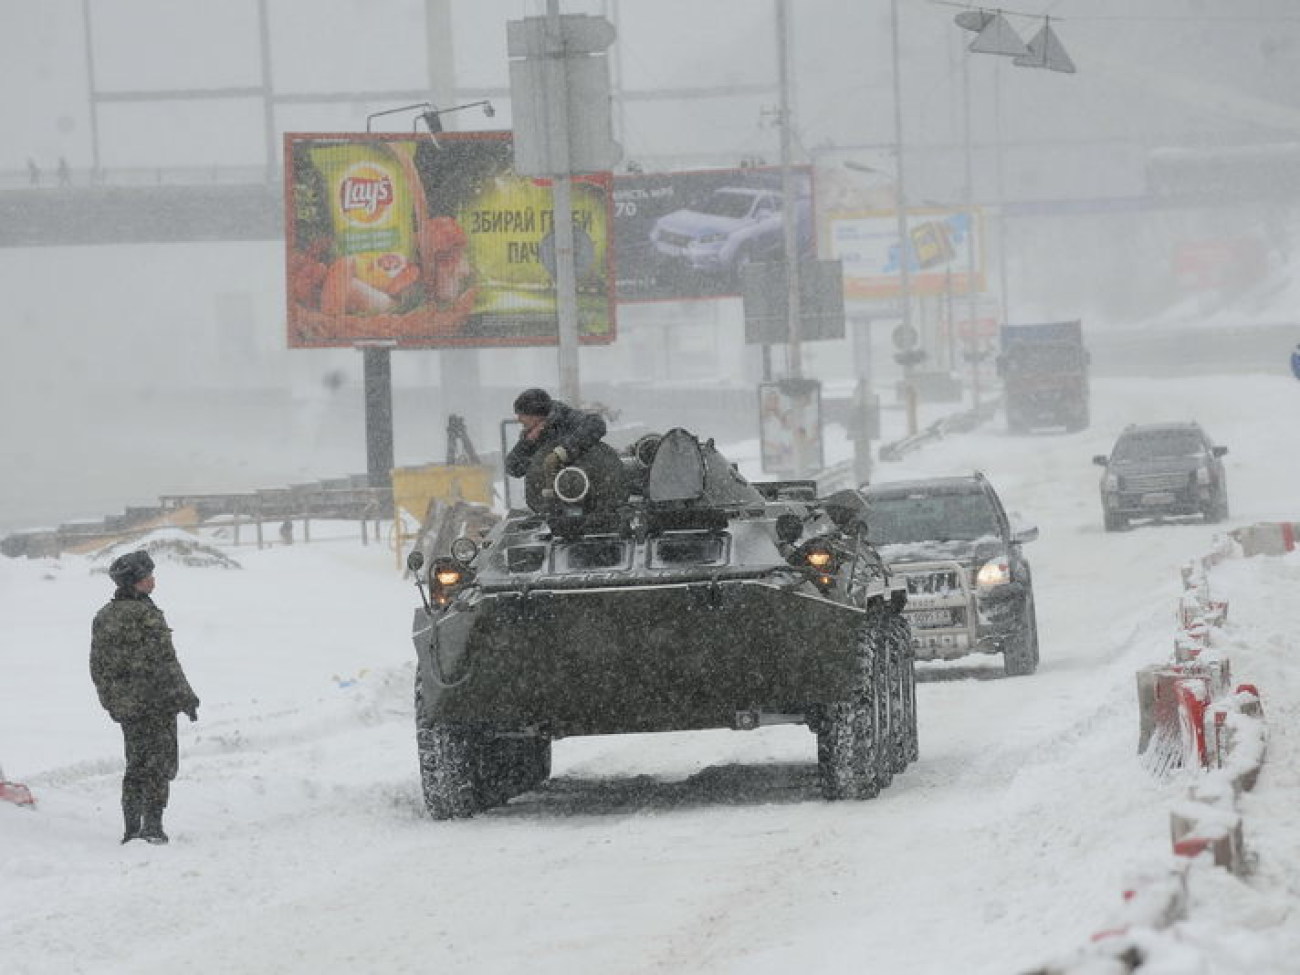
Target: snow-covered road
300,844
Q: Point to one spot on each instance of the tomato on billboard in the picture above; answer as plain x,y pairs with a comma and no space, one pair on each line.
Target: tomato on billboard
428,243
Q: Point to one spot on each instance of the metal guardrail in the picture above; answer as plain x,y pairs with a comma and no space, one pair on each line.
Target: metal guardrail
49,178
940,428
350,498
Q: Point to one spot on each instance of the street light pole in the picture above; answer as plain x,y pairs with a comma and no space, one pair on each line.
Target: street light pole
972,336
1002,193
566,291
789,213
904,248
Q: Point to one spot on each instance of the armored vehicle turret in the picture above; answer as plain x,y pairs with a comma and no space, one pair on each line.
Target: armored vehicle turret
701,600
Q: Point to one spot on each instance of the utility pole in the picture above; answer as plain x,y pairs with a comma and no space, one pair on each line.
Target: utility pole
788,209
904,243
972,337
559,95
566,278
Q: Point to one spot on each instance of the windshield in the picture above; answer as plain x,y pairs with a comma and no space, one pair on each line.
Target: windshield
725,203
941,518
1166,443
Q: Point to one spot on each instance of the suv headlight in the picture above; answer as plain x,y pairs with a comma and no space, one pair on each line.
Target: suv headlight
995,572
1109,482
1202,475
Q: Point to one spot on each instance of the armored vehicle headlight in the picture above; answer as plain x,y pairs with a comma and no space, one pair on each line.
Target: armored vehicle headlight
820,558
447,576
464,549
995,572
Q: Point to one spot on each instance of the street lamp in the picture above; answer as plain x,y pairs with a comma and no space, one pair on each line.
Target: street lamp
430,115
994,35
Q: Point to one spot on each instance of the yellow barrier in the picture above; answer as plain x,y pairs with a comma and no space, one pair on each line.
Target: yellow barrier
415,489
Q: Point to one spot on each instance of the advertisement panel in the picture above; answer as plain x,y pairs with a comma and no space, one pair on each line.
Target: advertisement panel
938,249
790,426
428,243
688,235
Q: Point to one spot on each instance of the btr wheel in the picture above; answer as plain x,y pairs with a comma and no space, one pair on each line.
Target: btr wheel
846,752
853,737
508,767
447,771
902,696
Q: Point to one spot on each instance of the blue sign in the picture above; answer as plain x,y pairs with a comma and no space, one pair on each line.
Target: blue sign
1295,361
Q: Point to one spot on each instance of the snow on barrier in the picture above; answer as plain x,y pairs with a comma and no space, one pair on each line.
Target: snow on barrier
1189,718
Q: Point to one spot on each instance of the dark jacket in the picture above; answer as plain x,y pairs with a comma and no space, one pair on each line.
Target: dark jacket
133,662
577,431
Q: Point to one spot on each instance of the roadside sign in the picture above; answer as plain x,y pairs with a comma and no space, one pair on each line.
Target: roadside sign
905,337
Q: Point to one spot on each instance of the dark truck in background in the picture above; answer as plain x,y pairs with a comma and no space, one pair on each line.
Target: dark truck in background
1044,372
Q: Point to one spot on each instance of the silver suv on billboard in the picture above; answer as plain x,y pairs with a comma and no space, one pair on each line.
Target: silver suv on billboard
733,226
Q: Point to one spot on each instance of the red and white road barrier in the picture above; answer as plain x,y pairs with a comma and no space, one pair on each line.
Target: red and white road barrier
1192,719
15,792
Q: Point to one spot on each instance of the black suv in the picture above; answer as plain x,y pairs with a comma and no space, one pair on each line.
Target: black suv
969,587
1161,469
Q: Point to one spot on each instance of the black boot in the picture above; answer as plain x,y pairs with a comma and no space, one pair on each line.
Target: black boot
132,810
151,831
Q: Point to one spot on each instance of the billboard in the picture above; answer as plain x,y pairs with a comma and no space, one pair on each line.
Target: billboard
790,426
945,251
425,242
689,235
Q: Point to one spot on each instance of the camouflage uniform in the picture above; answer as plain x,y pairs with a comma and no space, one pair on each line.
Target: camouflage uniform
141,685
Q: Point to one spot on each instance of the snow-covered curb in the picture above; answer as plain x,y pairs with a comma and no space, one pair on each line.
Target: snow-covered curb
1187,706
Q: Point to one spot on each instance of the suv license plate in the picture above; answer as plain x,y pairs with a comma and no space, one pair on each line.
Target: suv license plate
1158,497
930,617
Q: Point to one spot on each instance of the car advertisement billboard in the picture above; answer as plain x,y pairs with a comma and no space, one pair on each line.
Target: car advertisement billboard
424,242
689,235
945,251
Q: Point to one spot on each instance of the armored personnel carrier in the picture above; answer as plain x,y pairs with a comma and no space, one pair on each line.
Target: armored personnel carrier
700,600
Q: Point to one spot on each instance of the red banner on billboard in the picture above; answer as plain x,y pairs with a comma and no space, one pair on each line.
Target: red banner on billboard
429,243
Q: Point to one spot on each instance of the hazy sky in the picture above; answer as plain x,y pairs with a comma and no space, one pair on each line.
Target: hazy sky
1177,71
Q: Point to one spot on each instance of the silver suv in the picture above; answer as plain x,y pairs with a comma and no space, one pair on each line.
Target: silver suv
969,586
1161,469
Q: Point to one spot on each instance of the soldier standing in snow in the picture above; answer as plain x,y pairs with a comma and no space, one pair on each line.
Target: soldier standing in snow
142,687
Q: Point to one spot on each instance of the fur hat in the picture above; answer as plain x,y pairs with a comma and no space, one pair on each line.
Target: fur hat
533,402
129,569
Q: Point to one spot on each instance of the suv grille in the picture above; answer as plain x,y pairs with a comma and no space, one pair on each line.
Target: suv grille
945,582
1149,483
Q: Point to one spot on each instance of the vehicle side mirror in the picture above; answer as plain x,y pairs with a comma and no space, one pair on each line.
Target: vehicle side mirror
1219,451
1024,533
415,561
1101,460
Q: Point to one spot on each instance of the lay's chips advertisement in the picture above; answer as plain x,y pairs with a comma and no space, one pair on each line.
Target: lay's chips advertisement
434,243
